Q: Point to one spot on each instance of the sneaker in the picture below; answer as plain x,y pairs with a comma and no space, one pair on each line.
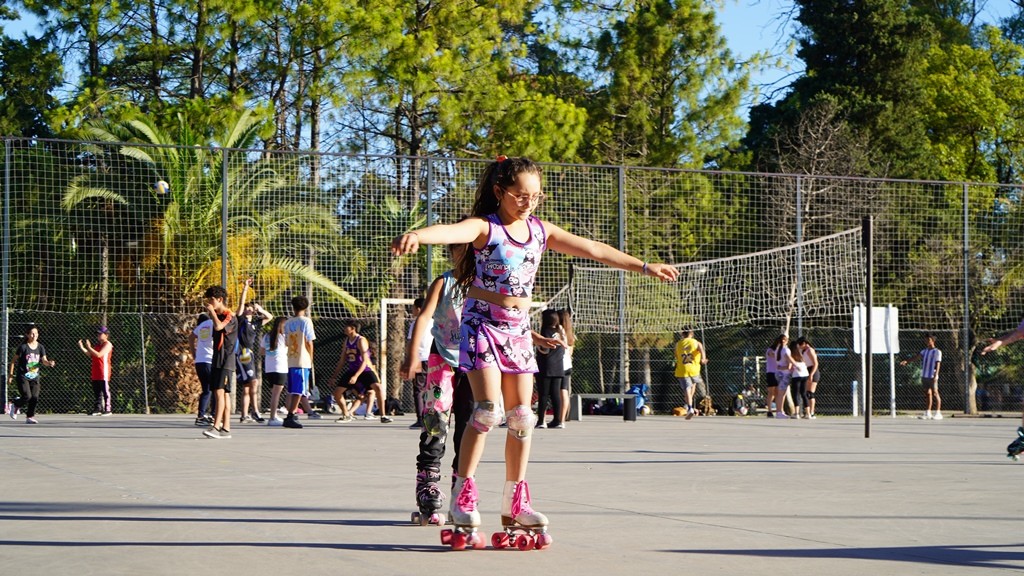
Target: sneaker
31,420
925,416
291,422
781,416
937,416
386,420
541,425
224,433
108,413
12,411
95,413
812,417
771,414
259,419
558,426
212,432
314,416
368,417
344,419
275,421
416,425
690,412
245,420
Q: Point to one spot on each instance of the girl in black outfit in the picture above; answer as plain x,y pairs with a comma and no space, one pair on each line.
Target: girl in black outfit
551,371
24,370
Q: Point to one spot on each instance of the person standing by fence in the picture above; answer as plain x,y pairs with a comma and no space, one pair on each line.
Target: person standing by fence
931,361
100,357
551,370
24,370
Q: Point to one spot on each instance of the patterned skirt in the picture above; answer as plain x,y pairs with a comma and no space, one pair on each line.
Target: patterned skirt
494,335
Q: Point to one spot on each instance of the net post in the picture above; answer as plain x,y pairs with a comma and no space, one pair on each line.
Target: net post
223,217
869,303
965,337
6,328
623,352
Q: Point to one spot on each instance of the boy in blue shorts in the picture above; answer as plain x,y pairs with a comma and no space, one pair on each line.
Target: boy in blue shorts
299,335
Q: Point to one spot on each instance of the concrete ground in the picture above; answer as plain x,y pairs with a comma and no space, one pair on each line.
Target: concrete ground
716,495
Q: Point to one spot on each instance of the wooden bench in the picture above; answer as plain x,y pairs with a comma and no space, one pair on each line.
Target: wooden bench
628,404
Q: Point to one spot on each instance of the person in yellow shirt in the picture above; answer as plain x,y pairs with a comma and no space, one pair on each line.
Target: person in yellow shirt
690,356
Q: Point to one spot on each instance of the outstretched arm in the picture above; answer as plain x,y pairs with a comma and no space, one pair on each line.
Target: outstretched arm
1008,338
411,363
245,292
464,232
568,243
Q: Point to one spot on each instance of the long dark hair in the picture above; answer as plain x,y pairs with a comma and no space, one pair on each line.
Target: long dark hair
502,173
275,330
551,319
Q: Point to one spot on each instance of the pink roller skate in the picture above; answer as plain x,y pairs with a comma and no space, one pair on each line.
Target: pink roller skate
524,528
464,517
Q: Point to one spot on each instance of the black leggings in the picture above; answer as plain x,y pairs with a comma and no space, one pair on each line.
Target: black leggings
549,387
29,390
798,386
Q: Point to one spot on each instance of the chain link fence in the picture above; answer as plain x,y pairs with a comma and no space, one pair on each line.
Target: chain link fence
91,239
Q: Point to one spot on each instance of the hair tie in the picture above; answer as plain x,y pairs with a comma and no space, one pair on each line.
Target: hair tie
501,158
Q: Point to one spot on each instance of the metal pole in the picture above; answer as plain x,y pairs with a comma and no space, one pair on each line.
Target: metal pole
224,218
966,336
142,335
869,298
623,353
430,218
6,329
799,259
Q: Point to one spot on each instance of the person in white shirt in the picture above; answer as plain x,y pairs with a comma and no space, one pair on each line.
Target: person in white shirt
771,368
931,361
798,381
299,335
201,343
275,366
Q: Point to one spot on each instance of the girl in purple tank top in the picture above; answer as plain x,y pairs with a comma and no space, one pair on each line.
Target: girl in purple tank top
497,342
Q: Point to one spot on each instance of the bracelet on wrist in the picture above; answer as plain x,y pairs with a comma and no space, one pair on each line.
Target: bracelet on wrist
643,269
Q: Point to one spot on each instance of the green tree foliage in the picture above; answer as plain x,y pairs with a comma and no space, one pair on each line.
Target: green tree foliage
868,57
29,73
674,88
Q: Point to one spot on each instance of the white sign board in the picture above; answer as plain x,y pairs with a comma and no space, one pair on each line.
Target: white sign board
885,329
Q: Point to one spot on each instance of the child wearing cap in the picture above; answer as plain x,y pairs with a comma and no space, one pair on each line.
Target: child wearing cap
100,355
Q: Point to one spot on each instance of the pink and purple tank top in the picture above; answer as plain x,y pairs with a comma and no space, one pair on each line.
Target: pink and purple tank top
505,265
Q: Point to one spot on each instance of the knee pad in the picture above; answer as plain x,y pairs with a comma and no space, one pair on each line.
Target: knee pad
435,424
486,415
810,395
521,421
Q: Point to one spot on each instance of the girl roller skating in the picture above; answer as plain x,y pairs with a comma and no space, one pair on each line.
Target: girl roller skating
497,345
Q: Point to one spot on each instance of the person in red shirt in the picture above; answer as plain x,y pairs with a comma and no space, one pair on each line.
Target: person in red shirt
100,355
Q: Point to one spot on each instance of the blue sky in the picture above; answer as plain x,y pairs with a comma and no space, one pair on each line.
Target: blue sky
751,26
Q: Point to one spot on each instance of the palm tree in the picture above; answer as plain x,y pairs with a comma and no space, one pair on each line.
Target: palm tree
172,248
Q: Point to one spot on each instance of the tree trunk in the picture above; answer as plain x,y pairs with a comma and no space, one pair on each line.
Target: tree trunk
175,386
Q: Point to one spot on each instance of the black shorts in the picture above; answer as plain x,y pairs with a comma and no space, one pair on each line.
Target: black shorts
770,380
930,383
276,378
363,382
220,379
